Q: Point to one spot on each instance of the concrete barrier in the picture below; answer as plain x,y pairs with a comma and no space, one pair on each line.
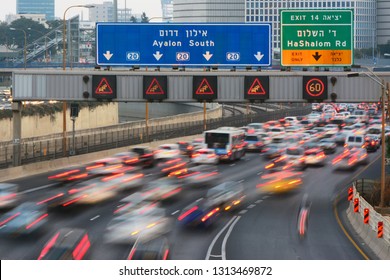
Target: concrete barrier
45,166
368,232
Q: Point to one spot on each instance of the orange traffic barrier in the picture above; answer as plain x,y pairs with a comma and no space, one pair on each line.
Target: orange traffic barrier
380,229
356,205
350,193
366,215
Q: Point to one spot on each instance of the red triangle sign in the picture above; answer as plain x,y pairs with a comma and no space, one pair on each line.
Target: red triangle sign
204,88
154,88
256,88
104,87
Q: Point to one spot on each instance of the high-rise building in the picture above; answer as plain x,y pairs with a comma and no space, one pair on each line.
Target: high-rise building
45,7
209,10
383,22
167,10
105,13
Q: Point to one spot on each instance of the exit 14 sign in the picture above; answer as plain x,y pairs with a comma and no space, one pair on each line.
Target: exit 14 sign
317,38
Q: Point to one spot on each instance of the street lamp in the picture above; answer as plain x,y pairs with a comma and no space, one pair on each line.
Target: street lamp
64,104
384,92
25,44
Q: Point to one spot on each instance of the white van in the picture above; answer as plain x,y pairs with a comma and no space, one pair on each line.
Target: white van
354,141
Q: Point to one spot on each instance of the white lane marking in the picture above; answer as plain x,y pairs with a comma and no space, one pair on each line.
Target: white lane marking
242,212
247,159
217,236
259,173
259,201
147,175
241,181
94,218
251,206
233,164
38,188
266,196
174,213
216,256
226,238
199,199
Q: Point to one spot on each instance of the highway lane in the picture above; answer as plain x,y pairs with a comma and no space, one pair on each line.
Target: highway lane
266,218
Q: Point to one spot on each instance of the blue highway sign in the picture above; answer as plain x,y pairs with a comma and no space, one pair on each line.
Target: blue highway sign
183,44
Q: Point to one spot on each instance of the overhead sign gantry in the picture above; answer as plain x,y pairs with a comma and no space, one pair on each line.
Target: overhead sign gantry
152,44
317,38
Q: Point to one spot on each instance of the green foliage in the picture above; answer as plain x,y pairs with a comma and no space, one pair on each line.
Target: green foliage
144,18
47,109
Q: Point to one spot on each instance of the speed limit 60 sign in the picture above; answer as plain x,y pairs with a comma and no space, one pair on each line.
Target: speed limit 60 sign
315,87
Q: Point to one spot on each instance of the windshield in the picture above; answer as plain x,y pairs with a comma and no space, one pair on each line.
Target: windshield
216,140
251,138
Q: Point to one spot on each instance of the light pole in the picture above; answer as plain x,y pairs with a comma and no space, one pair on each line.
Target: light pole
384,92
64,104
25,45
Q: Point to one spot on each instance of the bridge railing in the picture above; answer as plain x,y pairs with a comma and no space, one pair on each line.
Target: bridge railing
122,136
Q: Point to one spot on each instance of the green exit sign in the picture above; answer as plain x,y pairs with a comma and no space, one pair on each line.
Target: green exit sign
317,37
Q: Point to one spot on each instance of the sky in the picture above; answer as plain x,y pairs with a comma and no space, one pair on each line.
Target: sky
152,8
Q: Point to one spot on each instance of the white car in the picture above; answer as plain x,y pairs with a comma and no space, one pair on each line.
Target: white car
167,151
205,156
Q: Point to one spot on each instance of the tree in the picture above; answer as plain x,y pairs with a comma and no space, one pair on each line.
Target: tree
32,28
133,19
144,18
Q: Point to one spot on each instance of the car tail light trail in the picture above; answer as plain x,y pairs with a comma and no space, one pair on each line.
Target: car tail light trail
188,212
37,221
50,198
48,246
9,219
209,214
82,248
64,174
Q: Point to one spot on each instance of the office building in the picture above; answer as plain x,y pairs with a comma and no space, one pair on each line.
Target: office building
45,7
167,10
209,10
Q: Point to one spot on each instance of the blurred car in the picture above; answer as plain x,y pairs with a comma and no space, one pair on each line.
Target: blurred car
185,148
257,127
201,213
339,138
328,145
162,189
350,159
205,156
69,174
9,195
129,158
135,202
167,151
354,141
278,164
203,175
198,143
145,155
371,144
280,182
24,219
227,195
131,227
253,142
311,144
66,244
273,150
296,157
172,166
315,156
155,249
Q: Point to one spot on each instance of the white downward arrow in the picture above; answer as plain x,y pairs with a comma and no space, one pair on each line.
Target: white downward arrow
157,55
108,55
259,56
207,55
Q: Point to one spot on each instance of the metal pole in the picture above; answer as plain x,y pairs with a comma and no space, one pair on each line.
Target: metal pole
147,120
383,170
25,48
204,116
73,137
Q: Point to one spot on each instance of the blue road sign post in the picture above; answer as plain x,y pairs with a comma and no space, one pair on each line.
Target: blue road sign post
183,44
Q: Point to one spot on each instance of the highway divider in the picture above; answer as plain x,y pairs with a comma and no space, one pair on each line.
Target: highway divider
371,226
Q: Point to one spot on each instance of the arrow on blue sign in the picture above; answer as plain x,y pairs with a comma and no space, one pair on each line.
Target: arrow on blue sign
183,44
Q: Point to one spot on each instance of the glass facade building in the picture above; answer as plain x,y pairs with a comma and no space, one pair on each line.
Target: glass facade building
45,7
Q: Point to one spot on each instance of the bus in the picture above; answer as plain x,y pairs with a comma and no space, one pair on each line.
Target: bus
228,144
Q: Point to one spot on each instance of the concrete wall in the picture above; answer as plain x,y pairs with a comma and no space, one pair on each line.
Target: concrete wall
34,126
368,232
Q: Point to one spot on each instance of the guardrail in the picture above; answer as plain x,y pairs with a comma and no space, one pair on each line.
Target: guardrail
357,214
126,135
